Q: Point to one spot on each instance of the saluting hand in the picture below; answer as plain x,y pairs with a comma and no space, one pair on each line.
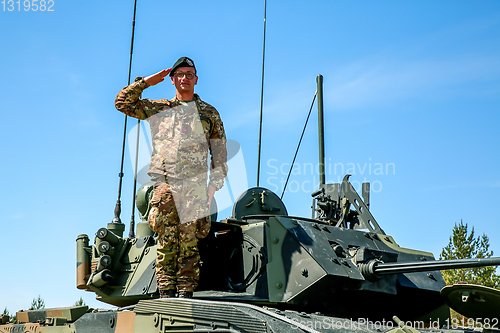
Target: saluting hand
158,77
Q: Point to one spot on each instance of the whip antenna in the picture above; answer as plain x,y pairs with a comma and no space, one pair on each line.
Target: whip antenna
118,207
262,91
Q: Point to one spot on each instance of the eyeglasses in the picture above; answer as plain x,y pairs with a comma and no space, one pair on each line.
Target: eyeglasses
180,75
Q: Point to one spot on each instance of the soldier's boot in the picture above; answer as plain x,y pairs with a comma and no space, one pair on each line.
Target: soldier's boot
168,293
185,294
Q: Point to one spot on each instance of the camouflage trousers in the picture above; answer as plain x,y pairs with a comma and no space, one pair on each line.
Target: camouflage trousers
179,214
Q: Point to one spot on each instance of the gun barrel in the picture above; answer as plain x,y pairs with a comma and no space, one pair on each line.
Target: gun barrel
423,266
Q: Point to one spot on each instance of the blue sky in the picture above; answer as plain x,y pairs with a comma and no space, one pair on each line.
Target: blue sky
412,101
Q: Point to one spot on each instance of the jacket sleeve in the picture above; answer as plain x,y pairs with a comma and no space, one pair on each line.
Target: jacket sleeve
218,152
129,100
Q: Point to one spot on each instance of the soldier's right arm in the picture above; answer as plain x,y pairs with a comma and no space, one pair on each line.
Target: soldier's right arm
129,99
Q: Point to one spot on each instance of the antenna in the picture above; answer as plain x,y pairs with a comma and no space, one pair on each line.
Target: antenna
262,92
118,206
321,131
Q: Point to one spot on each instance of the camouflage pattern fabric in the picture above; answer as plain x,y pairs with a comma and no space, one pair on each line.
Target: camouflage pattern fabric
177,265
182,133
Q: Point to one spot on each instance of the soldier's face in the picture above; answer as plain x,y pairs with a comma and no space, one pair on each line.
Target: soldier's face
183,84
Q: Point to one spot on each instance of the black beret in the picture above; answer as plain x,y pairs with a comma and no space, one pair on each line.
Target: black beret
182,62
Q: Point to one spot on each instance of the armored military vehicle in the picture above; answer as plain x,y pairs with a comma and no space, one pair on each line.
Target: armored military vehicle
265,271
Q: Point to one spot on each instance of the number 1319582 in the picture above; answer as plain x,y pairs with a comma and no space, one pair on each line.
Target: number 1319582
28,5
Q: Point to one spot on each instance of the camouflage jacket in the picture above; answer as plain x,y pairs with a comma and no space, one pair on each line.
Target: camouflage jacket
182,133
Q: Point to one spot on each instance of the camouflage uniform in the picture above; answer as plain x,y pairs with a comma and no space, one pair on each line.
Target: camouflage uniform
183,133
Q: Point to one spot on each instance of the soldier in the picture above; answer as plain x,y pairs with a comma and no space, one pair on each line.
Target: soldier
183,130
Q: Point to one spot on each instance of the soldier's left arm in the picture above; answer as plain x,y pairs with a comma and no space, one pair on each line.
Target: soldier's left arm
218,152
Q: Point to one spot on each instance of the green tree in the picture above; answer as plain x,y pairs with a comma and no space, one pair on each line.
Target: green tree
80,302
37,303
12,319
5,313
463,245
